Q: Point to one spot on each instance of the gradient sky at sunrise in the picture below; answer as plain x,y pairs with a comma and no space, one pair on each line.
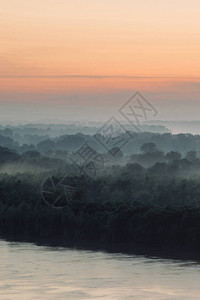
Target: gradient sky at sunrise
66,58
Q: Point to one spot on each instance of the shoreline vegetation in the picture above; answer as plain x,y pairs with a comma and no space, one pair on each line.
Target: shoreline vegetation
89,220
121,248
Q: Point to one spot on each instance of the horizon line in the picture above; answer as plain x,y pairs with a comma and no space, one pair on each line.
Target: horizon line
98,76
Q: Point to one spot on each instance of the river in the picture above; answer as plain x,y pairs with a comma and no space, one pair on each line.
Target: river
28,271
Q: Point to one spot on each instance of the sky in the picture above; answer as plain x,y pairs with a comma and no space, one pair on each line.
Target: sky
83,59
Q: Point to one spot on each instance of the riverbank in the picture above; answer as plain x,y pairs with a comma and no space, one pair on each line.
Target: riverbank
123,248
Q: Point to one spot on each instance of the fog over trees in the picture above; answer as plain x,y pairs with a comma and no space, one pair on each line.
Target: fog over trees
145,192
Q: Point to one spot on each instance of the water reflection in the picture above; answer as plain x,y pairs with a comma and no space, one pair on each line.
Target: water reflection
28,271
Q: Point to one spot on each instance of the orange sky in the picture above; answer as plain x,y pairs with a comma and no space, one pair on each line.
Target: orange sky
146,37
122,38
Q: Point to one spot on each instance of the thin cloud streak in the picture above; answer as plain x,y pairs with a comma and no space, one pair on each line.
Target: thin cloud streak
98,76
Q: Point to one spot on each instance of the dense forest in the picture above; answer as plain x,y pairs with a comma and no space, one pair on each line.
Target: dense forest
137,210
145,193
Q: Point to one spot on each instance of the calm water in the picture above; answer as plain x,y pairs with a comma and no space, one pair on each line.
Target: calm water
28,271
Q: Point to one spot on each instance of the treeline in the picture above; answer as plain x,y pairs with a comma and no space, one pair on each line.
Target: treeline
150,162
52,138
138,211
